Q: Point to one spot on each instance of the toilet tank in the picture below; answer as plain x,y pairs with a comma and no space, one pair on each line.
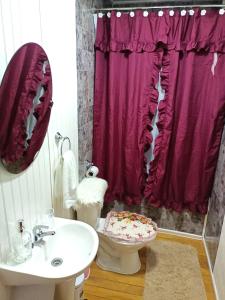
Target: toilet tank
89,199
89,213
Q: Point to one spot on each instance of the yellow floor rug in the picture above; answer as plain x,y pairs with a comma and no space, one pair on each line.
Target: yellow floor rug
173,272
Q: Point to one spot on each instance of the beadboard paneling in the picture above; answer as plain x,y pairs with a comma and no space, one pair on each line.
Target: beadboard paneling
29,194
26,195
59,41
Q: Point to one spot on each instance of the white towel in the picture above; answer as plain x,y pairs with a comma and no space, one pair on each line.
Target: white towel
57,190
69,179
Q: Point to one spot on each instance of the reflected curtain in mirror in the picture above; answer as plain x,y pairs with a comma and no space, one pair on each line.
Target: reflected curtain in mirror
25,106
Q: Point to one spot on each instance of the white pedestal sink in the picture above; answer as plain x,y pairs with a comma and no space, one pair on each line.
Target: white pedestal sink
75,243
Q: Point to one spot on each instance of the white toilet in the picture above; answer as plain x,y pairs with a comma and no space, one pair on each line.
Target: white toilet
114,254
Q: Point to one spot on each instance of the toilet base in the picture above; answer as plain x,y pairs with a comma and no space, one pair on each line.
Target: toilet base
126,264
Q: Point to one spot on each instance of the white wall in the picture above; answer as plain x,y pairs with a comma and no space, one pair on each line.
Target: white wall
59,41
52,25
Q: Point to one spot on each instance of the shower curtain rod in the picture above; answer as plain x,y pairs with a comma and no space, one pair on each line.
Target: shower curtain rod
158,7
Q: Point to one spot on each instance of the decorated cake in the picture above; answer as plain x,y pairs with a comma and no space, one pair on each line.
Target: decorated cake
129,226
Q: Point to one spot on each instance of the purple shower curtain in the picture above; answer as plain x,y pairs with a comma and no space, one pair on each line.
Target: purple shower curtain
124,85
130,54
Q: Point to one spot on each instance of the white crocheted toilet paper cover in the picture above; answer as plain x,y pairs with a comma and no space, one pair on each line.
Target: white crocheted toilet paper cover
129,226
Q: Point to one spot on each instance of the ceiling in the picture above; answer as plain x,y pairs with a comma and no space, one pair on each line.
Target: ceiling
122,3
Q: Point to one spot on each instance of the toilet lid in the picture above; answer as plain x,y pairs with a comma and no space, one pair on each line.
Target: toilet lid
129,227
101,231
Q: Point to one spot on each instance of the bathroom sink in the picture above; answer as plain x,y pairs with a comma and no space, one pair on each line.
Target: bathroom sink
65,255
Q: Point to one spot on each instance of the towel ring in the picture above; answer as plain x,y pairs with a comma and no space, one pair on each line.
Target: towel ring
61,148
58,138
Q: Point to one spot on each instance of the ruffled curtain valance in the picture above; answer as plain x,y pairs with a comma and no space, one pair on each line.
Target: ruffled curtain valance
147,33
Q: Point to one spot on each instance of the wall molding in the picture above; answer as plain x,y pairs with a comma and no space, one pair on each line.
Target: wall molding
181,233
210,268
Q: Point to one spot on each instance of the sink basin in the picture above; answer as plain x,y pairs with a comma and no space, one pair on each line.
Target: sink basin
75,244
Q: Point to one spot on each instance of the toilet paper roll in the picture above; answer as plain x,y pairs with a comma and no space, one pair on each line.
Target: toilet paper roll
92,172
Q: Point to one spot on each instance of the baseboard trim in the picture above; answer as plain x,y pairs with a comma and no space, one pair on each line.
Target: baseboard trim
210,269
181,233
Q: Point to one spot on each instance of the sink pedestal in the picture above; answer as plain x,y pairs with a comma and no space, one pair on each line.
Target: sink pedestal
65,290
74,245
28,292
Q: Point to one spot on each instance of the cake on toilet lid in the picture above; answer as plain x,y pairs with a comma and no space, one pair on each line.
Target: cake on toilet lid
130,227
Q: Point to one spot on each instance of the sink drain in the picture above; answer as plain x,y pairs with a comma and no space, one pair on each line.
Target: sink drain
56,262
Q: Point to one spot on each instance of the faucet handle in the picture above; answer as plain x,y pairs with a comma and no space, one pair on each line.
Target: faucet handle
43,226
38,228
39,234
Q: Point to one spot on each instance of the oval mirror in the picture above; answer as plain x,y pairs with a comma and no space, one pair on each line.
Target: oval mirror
25,107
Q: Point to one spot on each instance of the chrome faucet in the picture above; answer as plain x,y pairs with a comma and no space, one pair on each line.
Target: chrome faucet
39,234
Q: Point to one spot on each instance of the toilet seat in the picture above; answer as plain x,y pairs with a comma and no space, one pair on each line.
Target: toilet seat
117,255
100,229
129,227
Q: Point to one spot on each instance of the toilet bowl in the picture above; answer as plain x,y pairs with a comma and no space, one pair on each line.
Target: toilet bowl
114,254
117,255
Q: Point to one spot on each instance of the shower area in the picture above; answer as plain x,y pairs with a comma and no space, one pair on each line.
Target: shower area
208,226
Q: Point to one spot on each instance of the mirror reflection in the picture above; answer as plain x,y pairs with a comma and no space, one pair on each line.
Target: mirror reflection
25,107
